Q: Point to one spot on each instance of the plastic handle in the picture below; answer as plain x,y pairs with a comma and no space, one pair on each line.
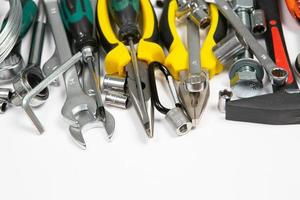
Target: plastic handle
217,31
77,16
275,39
125,14
177,60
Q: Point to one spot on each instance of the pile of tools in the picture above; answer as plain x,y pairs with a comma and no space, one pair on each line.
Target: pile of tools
136,45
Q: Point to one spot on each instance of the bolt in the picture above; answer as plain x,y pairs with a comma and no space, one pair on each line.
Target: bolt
245,73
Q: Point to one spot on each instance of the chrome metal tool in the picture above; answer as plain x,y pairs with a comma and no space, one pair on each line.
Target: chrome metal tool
194,85
79,108
277,75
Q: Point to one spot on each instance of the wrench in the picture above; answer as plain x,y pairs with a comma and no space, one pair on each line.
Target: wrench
79,108
277,75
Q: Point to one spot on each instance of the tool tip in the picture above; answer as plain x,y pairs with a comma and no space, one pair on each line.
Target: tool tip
148,130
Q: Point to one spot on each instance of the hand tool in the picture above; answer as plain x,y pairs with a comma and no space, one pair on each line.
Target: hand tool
78,19
79,108
32,74
118,59
294,8
127,19
281,107
14,63
245,72
216,32
275,41
194,86
10,33
175,116
277,75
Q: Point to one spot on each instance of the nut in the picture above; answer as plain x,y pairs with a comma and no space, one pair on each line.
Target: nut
242,5
246,78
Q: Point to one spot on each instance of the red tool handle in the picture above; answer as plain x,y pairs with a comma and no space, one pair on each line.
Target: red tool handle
275,39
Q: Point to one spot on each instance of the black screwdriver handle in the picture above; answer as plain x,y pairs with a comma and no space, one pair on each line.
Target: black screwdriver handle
78,18
125,14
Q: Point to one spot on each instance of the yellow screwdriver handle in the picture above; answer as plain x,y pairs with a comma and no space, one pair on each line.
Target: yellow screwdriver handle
148,48
217,32
177,60
118,55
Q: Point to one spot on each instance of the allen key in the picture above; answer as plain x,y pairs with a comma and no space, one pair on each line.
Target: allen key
45,83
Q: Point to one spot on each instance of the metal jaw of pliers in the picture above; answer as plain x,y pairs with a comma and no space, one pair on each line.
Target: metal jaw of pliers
185,65
118,59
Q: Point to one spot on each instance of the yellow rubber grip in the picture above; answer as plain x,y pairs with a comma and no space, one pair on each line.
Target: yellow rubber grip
177,60
208,58
118,56
148,50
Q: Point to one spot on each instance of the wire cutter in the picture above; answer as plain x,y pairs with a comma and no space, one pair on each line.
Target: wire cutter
118,60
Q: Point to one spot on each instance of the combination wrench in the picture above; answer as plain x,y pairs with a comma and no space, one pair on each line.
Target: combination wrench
79,108
277,75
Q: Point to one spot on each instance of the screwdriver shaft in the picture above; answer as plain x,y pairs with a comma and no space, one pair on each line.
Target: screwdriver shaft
100,105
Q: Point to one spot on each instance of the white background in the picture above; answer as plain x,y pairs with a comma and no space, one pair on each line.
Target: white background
218,160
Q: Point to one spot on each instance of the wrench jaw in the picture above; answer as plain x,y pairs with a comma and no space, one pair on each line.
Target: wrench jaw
194,93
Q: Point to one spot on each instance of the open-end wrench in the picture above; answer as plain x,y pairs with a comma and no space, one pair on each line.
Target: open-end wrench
277,75
78,105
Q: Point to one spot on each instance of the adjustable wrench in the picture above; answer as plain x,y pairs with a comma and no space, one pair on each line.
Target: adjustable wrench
277,75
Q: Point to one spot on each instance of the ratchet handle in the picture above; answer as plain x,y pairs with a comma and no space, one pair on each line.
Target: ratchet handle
77,16
177,60
275,39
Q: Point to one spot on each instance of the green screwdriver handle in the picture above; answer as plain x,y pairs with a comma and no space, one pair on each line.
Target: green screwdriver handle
78,19
125,13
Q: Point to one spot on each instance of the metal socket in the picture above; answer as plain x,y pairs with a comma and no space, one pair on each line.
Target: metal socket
178,120
26,81
116,100
224,96
11,67
114,83
229,48
258,22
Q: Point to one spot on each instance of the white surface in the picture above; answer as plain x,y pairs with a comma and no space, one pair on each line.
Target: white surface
218,160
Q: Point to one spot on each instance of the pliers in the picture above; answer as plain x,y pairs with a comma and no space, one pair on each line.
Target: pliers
186,65
118,58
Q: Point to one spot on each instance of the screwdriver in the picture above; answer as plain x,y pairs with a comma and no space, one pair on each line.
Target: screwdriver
125,13
78,19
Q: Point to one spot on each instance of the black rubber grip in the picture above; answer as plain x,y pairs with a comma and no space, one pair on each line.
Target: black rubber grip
221,30
155,34
271,8
164,28
107,46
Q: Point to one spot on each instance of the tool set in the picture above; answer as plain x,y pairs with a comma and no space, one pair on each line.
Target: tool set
136,45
